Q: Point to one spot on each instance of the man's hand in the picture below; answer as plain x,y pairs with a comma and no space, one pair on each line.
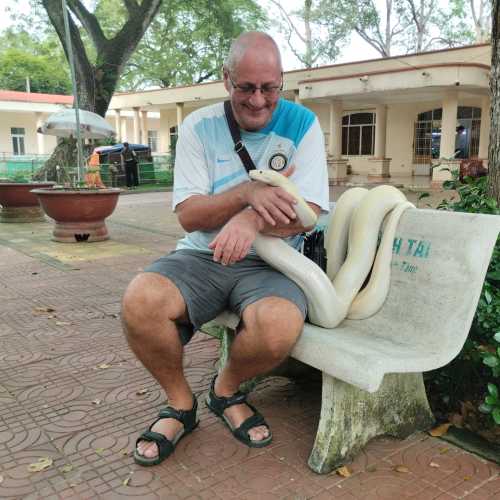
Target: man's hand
235,239
273,204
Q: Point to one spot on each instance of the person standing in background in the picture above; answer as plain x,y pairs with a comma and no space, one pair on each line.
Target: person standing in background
129,163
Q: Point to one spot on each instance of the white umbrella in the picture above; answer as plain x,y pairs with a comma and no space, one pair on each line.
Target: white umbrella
63,124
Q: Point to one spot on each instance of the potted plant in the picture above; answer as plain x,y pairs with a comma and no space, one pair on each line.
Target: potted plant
79,213
17,201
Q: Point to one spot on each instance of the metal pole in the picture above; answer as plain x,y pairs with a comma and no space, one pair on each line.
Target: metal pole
75,92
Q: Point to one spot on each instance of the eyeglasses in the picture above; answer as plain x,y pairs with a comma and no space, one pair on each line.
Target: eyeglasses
249,89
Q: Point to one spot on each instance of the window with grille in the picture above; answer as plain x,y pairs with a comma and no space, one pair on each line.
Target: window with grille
153,140
427,134
358,134
17,134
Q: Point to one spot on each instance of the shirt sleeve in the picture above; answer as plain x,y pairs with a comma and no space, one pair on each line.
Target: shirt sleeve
190,170
311,172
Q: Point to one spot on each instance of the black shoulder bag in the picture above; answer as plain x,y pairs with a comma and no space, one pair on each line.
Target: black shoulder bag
313,247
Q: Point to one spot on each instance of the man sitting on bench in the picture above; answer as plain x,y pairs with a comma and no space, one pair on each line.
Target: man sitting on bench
214,267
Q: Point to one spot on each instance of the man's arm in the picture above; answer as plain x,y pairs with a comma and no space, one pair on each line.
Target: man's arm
207,212
235,239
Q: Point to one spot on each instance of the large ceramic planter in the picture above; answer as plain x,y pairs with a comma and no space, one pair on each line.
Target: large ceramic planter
78,213
19,204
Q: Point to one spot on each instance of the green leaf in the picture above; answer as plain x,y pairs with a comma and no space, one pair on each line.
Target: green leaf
423,195
485,408
492,389
491,361
496,415
490,400
487,296
497,337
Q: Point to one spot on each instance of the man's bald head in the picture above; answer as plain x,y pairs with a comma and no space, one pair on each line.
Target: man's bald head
255,41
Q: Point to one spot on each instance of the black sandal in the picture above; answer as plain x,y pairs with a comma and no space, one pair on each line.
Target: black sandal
166,446
218,404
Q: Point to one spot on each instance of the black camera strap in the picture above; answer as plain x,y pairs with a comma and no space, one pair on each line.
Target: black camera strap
239,147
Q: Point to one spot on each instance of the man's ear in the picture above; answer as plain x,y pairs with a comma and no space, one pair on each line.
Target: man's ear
225,75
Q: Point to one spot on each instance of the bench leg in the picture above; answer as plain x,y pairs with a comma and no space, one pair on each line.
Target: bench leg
350,417
226,337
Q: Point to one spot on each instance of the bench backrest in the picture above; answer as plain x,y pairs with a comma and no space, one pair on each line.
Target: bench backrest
438,267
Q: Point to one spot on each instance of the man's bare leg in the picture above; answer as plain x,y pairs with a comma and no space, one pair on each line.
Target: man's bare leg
271,327
150,306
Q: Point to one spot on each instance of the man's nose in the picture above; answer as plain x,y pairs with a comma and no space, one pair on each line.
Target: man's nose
257,98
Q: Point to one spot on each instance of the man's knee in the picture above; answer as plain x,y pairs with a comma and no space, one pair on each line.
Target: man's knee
151,298
278,323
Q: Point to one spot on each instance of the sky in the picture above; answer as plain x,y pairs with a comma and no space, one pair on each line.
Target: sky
356,50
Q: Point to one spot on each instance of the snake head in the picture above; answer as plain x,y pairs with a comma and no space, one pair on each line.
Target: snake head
268,176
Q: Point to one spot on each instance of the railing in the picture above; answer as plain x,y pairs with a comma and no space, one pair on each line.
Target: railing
159,171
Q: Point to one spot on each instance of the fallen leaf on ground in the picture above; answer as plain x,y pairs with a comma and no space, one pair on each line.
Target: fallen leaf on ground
67,468
371,468
344,472
96,402
434,464
467,478
125,452
401,468
1,479
141,392
43,310
42,464
440,430
126,481
99,451
103,366
62,323
444,450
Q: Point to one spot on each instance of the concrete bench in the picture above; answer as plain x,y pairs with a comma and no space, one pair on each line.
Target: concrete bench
372,368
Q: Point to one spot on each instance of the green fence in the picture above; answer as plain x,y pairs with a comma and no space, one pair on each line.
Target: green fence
159,171
17,167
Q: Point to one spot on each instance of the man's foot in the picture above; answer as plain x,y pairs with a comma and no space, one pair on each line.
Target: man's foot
242,419
159,441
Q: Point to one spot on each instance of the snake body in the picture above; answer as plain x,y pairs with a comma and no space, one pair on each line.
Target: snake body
351,244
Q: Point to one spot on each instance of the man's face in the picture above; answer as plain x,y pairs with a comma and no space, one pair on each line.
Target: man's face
253,108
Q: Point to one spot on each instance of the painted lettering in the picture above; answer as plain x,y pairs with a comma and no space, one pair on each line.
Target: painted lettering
396,246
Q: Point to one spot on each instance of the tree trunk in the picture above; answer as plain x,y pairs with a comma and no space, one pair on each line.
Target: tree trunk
95,83
494,147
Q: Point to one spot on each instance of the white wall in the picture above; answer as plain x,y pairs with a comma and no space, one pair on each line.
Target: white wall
27,121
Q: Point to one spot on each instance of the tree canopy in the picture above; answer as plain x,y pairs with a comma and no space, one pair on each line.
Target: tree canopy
42,62
188,40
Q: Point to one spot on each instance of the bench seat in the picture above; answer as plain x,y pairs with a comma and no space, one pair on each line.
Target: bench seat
372,368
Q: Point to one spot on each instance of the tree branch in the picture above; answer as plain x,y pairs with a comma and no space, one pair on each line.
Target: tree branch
288,19
89,22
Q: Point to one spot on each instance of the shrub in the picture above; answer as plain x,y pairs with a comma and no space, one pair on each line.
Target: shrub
477,367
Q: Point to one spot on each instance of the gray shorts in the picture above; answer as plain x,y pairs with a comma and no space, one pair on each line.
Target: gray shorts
208,287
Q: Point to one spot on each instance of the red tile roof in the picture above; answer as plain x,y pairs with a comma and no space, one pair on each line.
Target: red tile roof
13,95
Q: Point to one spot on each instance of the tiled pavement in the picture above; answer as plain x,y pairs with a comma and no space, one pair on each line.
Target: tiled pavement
71,391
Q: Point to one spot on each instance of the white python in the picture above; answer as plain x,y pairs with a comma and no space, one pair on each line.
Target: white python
351,244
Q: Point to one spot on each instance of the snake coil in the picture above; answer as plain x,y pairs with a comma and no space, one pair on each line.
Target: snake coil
351,245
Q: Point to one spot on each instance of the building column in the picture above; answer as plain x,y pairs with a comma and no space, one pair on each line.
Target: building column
380,130
180,114
448,137
164,134
144,126
296,96
337,167
484,133
137,131
379,164
118,125
40,138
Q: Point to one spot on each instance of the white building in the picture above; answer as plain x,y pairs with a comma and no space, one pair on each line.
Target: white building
381,117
